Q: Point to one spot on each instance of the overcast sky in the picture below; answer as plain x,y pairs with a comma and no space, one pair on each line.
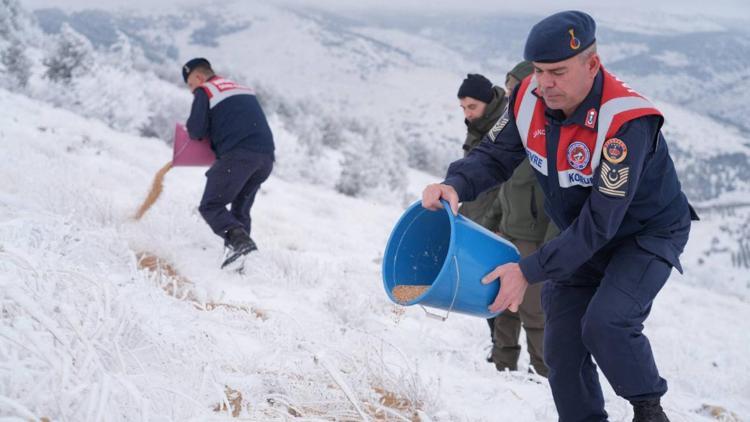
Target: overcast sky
734,9
719,8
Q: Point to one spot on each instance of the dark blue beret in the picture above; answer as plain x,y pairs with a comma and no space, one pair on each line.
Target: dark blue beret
192,64
559,37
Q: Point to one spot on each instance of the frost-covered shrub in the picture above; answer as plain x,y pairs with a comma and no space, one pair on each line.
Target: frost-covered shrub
372,162
12,19
17,66
71,56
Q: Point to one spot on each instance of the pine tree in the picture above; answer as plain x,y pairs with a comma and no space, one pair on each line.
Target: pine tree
17,24
372,163
17,65
9,12
71,56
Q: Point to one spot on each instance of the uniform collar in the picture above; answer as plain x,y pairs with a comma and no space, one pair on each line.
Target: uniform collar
586,112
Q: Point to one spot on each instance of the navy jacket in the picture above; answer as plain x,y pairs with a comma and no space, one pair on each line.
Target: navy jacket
230,116
654,210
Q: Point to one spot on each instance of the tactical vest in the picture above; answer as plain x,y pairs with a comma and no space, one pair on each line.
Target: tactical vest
579,150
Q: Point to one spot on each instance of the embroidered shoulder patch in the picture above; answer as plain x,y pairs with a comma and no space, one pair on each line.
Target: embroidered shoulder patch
578,155
499,125
615,150
614,180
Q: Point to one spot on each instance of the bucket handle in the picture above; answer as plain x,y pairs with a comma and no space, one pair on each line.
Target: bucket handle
455,293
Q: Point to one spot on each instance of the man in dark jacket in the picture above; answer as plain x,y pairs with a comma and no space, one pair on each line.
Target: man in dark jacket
483,104
515,211
230,115
611,186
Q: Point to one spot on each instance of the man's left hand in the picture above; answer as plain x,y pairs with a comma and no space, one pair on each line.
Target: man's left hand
513,285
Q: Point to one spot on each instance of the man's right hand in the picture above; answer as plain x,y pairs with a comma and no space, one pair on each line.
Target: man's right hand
432,194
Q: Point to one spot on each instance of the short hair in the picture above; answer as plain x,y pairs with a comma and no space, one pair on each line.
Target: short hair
588,52
193,64
204,69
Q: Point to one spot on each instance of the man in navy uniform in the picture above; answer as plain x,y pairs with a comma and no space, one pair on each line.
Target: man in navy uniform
611,187
230,115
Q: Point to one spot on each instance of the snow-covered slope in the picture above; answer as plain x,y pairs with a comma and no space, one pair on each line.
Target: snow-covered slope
307,331
86,333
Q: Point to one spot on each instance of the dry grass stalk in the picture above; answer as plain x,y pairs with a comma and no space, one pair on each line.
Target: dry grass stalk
384,405
290,409
719,413
152,262
234,398
379,412
181,288
259,313
393,404
340,382
392,400
156,188
177,285
210,306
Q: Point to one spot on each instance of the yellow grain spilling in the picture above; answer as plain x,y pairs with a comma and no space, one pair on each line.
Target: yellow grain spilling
156,187
404,293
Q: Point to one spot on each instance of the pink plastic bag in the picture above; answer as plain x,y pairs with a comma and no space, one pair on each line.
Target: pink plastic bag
188,152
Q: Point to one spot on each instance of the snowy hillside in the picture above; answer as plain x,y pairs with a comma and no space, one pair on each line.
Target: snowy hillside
690,58
307,332
358,91
354,86
107,318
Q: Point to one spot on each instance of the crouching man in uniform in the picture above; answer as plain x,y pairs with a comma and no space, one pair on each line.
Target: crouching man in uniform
611,187
231,116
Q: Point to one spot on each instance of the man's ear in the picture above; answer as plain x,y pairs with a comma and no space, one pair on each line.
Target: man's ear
593,65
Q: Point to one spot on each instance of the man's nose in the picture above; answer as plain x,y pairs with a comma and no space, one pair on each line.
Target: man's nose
544,80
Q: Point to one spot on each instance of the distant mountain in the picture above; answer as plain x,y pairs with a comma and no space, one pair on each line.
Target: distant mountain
707,71
382,85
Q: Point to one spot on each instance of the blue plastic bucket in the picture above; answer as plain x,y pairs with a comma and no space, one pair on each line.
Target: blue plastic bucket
449,254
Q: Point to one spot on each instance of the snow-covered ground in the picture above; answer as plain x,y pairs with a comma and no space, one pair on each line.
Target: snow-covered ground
91,330
306,333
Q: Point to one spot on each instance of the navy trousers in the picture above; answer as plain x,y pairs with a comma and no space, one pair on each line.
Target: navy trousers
599,313
233,180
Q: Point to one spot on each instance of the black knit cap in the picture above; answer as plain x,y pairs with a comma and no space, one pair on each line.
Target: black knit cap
192,64
559,37
476,86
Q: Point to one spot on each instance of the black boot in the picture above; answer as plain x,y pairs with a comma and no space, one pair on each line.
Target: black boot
238,244
648,411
